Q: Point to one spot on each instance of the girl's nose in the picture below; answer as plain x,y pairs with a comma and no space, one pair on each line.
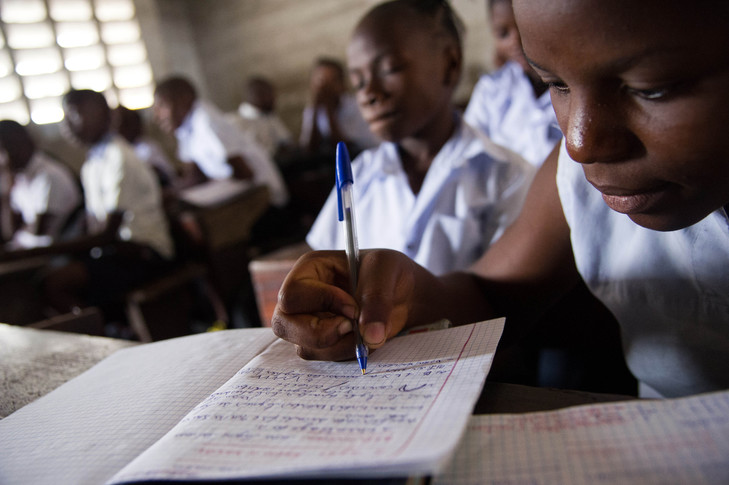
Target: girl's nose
598,130
371,91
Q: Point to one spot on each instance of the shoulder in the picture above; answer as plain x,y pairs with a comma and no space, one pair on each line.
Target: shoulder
498,80
375,162
55,168
482,148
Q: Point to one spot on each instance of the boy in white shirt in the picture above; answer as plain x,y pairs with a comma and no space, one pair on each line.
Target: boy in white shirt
38,195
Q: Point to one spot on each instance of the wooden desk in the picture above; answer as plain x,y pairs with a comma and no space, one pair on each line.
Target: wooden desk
34,362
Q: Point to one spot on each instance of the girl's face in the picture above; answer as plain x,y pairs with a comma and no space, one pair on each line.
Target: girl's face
506,34
169,114
403,75
641,91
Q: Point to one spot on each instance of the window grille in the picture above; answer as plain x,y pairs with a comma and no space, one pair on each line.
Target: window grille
50,46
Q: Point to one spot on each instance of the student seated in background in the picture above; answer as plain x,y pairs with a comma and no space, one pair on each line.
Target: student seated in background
209,145
38,195
257,116
634,201
512,105
331,114
126,227
128,123
436,189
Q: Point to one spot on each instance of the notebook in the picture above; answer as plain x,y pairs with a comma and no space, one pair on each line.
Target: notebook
241,404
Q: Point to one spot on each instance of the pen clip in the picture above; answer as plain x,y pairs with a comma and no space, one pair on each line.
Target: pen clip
344,174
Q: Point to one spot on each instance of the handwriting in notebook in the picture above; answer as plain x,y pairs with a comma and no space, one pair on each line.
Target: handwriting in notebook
280,414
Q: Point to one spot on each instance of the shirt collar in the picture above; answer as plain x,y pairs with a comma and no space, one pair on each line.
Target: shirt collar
248,111
451,155
97,149
186,125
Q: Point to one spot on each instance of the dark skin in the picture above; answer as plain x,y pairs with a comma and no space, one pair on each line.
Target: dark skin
170,114
508,42
326,87
15,153
643,110
404,70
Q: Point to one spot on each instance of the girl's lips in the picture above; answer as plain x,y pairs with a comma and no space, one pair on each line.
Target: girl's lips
633,203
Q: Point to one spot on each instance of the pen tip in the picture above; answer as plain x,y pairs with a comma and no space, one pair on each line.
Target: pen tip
363,371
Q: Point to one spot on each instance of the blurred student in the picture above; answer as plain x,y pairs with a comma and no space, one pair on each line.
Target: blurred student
512,105
257,116
210,146
634,201
331,114
128,123
435,189
126,227
38,195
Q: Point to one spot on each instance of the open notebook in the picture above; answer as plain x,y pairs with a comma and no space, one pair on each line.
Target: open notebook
241,403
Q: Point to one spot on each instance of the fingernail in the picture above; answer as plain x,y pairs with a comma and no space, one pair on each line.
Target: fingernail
345,327
374,333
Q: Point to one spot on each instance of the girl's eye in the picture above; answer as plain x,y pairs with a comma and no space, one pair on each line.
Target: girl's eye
650,94
387,69
558,86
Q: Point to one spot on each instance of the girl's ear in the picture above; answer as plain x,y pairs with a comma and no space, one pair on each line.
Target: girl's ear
453,65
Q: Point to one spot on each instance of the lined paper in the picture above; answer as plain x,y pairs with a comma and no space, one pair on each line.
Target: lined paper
281,416
90,427
683,440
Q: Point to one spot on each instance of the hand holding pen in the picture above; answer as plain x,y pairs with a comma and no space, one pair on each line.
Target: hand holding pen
345,197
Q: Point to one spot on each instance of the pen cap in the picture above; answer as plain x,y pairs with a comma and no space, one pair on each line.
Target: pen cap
344,174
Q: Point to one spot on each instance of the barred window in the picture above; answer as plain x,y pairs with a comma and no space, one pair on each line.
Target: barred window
50,46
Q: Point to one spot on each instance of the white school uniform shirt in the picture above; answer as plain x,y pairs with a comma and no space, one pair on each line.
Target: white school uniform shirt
351,123
150,152
266,128
503,106
44,186
208,139
668,290
472,191
115,179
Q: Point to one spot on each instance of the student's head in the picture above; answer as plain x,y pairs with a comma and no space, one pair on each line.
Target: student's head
173,100
16,145
86,115
127,122
330,73
641,91
506,34
261,94
405,62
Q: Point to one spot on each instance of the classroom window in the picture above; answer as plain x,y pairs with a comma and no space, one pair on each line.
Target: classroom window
50,46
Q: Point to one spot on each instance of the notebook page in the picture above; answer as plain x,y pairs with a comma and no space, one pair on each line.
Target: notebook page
89,428
282,416
684,440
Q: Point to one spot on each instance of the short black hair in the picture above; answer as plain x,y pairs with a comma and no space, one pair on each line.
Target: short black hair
332,63
80,96
174,87
13,134
440,11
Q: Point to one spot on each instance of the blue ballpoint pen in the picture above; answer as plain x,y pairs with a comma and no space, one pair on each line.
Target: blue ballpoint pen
345,197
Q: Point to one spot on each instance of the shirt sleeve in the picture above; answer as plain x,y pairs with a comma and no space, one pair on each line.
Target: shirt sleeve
325,233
